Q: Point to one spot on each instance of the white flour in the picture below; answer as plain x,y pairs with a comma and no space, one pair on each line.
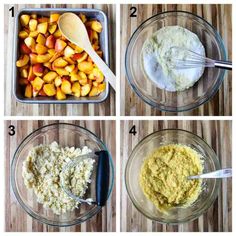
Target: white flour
155,62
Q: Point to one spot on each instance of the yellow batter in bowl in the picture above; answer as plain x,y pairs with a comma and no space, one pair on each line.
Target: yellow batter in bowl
163,176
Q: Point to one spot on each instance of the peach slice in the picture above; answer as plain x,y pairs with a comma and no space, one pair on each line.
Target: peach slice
102,87
33,24
96,26
38,69
68,51
55,56
70,68
82,57
50,41
58,81
94,92
33,34
44,58
74,77
24,49
37,83
76,89
23,34
50,76
48,65
42,27
60,95
66,86
49,89
40,49
33,58
52,28
76,48
60,45
85,67
60,62
24,73
51,51
33,16
24,20
28,91
69,60
98,75
54,17
24,59
83,17
31,75
85,90
57,34
41,39
43,20
30,42
91,76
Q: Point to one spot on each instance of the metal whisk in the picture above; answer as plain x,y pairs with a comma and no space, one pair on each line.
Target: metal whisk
193,60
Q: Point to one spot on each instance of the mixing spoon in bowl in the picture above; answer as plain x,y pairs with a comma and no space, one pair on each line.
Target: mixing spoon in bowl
218,174
190,59
74,30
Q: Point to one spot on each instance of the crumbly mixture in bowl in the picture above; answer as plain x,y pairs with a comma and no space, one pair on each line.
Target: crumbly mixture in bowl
155,58
163,176
41,172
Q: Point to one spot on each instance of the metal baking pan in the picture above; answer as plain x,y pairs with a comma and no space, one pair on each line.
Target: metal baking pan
91,14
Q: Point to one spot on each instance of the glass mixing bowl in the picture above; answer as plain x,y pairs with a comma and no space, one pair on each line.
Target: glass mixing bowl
65,135
144,148
193,97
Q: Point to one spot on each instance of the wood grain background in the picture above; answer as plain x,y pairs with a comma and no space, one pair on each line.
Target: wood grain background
15,108
218,135
217,15
17,220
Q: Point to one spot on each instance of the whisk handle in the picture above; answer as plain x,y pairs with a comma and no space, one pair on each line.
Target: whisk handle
102,180
223,65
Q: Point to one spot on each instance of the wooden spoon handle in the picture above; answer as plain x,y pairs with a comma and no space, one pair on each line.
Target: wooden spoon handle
111,78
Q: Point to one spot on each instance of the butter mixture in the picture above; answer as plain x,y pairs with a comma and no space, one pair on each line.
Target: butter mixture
155,58
163,176
42,169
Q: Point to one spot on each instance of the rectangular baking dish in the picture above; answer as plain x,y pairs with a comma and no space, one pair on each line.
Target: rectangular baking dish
90,13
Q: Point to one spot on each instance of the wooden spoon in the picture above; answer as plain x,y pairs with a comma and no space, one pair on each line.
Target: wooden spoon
74,30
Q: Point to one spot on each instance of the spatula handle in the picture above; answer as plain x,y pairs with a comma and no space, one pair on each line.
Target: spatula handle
102,180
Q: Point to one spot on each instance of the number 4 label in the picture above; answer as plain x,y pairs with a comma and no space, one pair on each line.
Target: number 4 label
133,130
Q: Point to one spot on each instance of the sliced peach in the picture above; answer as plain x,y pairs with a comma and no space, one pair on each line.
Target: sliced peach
57,34
33,16
55,56
60,45
28,91
69,60
91,76
23,34
76,48
24,49
33,58
95,83
33,34
50,42
24,20
37,83
96,26
23,81
30,42
54,17
60,62
50,76
48,65
33,24
70,68
42,27
43,20
58,81
40,49
98,75
69,51
102,87
76,87
83,81
49,89
85,90
82,17
95,47
66,86
51,51
82,57
52,28
85,67
94,92
24,73
74,77
31,75
44,58
38,69
24,59
41,39
60,95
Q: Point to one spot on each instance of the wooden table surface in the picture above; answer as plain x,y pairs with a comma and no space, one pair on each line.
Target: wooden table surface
14,108
17,220
217,15
218,135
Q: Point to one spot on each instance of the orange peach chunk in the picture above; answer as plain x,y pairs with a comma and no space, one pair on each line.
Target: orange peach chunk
28,91
60,95
66,87
22,61
85,67
60,62
24,20
42,27
37,83
50,76
49,89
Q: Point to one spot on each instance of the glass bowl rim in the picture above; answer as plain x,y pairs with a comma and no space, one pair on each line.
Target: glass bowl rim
214,194
85,217
191,106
